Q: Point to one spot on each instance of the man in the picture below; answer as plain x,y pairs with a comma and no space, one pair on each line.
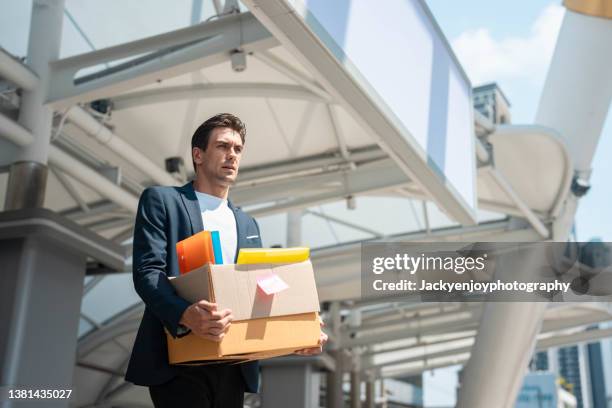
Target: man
165,216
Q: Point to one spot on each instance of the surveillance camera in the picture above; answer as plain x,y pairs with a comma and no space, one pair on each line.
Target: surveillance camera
580,186
238,59
174,164
351,204
103,106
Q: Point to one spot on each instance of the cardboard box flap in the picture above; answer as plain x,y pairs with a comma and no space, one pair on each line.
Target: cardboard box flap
235,287
192,286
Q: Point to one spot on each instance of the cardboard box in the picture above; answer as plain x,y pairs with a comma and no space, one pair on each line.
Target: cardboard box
264,325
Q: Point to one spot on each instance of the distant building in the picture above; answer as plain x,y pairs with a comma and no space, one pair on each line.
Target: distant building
492,103
582,369
570,369
542,390
540,362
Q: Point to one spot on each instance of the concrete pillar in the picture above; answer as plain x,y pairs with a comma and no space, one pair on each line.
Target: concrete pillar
335,394
294,228
43,260
30,166
370,386
355,388
290,383
383,393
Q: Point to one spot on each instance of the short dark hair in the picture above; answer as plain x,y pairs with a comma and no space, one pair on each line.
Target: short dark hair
222,120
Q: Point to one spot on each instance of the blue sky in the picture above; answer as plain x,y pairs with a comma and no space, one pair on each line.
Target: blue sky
511,43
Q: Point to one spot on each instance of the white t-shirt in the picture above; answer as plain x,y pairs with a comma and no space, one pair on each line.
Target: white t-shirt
217,216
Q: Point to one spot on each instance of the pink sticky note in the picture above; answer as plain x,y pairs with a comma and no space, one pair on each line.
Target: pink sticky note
271,284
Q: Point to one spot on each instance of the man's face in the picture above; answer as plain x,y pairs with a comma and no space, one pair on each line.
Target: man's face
221,159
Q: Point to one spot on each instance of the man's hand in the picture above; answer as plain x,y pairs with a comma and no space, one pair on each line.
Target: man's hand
315,350
206,321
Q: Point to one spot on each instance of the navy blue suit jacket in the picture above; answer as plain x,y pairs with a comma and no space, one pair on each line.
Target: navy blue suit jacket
165,216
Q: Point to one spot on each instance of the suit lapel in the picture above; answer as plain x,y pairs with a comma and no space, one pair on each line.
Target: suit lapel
190,201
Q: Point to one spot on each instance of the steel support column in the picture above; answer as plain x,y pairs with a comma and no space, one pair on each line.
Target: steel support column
28,173
334,393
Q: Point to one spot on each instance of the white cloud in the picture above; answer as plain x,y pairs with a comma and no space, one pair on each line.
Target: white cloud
487,59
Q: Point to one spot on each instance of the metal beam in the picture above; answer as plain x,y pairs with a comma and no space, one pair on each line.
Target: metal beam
574,321
92,179
67,184
419,367
208,91
342,222
93,128
107,391
573,338
373,176
399,316
338,134
14,132
95,208
309,164
461,358
167,55
423,357
75,168
92,284
127,322
16,72
366,179
407,310
419,341
110,223
420,326
527,212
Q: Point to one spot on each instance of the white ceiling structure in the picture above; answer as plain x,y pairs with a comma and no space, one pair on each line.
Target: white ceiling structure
304,151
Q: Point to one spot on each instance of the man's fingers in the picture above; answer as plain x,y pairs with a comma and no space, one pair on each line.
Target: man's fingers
309,351
220,314
219,324
227,320
206,305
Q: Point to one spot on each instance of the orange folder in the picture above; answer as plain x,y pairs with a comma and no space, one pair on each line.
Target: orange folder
195,251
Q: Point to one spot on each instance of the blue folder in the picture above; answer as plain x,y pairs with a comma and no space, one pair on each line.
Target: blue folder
216,242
